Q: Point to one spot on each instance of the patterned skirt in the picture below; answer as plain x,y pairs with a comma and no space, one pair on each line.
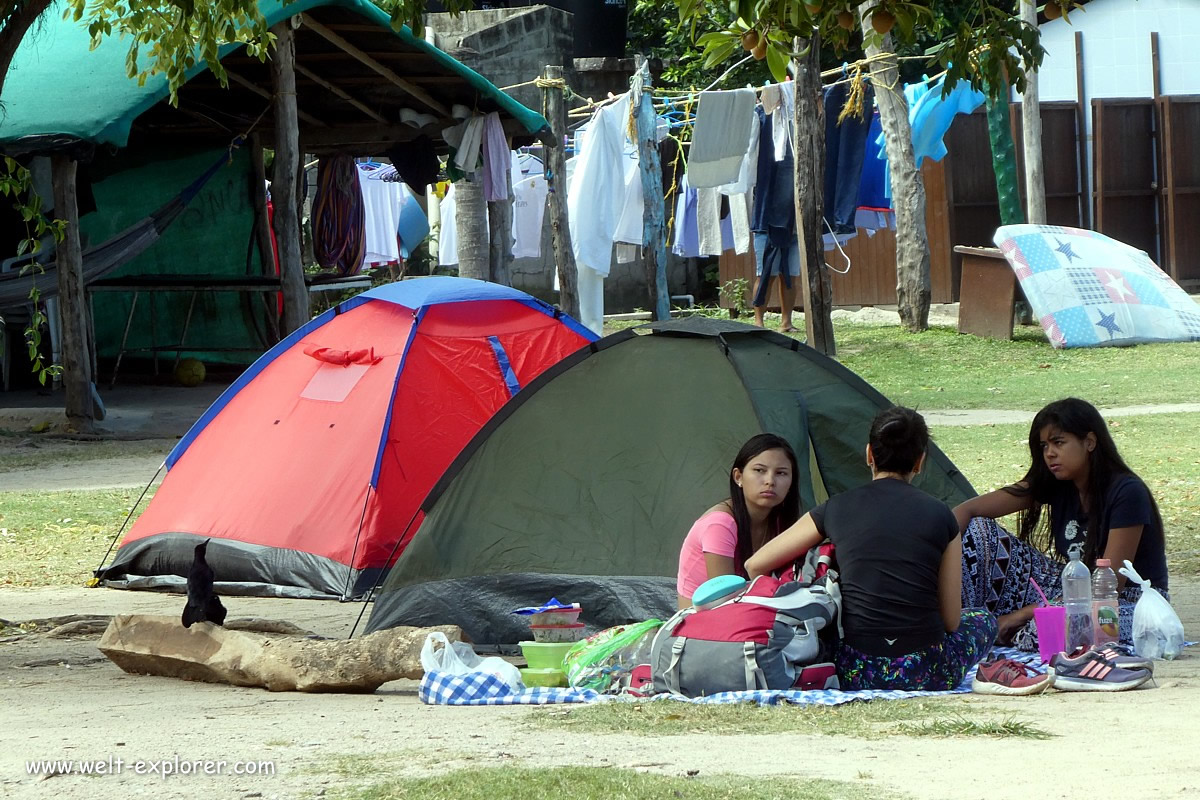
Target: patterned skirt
997,567
938,667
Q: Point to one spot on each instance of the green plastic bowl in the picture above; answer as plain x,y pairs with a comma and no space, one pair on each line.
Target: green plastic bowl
544,677
545,655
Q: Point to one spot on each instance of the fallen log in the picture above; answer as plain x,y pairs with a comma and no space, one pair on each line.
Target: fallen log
159,645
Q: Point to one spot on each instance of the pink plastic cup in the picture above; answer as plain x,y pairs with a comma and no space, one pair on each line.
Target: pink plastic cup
1051,622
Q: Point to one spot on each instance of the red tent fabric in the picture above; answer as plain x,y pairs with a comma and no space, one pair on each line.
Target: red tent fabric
308,473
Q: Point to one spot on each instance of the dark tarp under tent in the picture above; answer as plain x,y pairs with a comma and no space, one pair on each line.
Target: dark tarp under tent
584,486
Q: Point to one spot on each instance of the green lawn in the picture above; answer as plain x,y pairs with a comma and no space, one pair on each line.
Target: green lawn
599,783
940,717
30,451
58,538
942,369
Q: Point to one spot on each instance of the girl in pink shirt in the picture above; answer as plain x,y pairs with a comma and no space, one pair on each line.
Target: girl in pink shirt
763,500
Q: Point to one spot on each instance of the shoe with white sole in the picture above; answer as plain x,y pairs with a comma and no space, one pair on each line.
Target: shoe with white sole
1007,677
1090,671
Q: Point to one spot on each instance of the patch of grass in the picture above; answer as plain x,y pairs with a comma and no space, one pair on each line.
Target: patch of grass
22,452
942,369
588,783
864,720
1164,449
946,727
58,538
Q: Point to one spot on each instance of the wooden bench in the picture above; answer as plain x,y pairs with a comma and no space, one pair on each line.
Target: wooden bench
987,293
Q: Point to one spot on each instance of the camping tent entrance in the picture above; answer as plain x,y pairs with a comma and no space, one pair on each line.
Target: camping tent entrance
591,478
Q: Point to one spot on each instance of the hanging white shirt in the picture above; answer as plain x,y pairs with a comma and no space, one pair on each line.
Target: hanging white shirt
597,195
529,208
382,201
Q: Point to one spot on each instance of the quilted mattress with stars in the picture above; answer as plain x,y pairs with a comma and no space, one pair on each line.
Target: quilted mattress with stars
1088,290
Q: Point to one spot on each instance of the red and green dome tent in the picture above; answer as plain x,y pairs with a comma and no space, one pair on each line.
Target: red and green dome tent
308,472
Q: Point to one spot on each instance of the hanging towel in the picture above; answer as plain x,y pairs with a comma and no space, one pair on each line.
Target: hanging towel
497,159
721,137
708,221
783,119
467,140
771,97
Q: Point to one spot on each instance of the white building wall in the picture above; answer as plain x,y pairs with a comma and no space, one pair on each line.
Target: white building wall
1116,49
1117,59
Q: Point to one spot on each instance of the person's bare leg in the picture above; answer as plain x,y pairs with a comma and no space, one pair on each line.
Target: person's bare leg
787,298
758,310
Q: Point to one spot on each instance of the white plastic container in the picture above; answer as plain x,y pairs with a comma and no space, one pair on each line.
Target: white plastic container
558,633
563,616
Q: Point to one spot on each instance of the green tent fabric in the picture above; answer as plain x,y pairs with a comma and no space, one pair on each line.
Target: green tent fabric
212,236
584,485
56,85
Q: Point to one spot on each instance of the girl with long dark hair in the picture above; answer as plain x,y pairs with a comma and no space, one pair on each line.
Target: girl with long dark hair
898,557
764,498
1077,493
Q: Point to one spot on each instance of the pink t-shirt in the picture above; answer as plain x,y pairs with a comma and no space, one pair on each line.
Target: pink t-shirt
716,533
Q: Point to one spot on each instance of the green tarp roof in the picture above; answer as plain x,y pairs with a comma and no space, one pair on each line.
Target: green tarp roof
56,85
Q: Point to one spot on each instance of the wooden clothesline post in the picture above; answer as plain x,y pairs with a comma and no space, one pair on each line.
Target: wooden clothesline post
654,229
72,308
554,107
285,183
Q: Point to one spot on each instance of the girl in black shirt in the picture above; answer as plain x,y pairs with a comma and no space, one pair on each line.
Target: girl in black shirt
899,559
1078,492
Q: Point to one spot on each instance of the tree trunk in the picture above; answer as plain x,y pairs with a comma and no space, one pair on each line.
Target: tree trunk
1031,126
76,358
500,218
908,190
284,185
555,110
14,30
815,285
471,224
654,227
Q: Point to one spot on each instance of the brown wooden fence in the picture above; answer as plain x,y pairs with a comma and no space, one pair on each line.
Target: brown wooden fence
1179,201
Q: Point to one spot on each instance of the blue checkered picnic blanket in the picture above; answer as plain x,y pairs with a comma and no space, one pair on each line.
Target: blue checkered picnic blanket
439,688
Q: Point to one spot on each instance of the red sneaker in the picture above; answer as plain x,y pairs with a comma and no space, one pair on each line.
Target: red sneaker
1005,676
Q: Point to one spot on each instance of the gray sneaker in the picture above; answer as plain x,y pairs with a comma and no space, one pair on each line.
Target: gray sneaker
1089,671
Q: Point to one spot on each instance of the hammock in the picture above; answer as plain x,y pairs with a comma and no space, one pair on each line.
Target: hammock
105,257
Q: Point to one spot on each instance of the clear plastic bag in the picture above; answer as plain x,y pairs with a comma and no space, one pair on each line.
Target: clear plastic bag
1157,631
458,658
604,660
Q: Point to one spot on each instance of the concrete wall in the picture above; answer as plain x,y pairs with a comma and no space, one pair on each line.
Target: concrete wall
507,46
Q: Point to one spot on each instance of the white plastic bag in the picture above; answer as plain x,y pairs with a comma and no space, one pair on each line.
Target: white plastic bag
460,659
1157,631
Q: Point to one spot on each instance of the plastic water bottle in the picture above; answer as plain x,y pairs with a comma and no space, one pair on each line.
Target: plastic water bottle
1105,619
1077,597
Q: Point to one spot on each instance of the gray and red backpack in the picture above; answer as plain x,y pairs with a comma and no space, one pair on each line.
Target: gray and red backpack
775,634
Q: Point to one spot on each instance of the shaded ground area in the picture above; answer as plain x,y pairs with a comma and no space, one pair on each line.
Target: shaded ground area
317,744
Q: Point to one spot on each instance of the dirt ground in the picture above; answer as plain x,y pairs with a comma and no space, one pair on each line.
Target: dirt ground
61,699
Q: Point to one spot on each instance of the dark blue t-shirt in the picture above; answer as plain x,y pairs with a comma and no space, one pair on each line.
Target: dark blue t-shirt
1126,504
